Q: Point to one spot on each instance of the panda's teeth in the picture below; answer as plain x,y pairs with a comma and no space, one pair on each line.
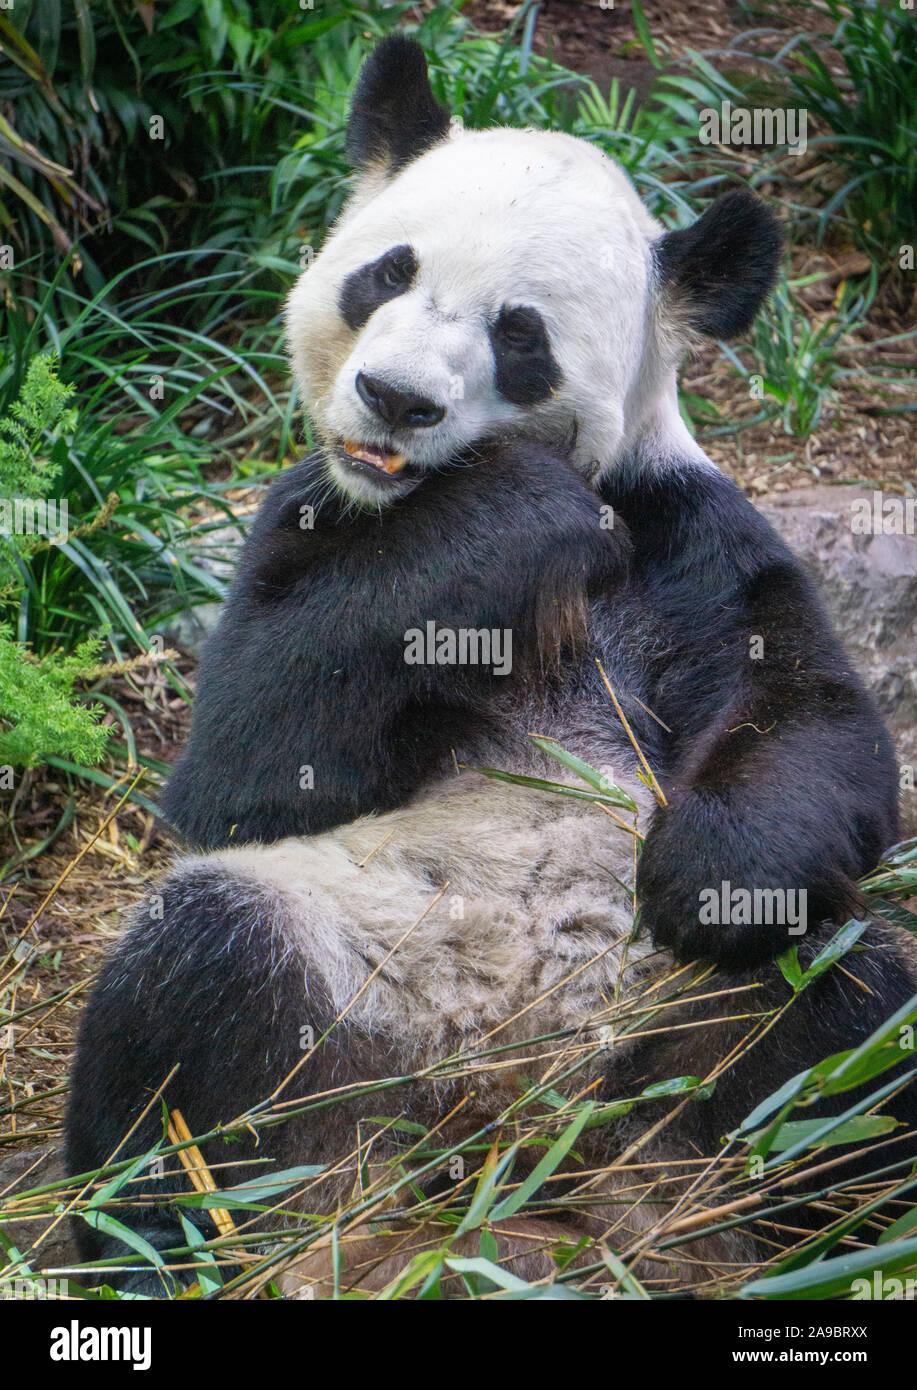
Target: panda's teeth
368,453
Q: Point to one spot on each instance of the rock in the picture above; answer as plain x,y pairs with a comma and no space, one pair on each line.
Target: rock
216,552
869,585
188,631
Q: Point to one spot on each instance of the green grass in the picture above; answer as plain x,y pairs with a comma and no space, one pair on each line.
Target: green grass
869,111
158,406
858,88
792,365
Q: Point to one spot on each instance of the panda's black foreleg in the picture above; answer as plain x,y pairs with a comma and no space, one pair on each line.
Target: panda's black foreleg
310,711
780,779
779,805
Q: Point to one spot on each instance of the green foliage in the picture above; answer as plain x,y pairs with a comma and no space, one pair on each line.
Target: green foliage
794,363
134,466
871,111
25,469
895,876
89,85
858,89
39,717
28,468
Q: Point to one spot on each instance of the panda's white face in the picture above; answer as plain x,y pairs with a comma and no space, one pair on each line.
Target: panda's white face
503,282
500,283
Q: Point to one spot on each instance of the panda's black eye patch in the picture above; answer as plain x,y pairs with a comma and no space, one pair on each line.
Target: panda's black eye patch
526,371
364,290
522,330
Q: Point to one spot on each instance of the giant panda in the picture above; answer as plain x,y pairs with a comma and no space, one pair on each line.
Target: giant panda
487,347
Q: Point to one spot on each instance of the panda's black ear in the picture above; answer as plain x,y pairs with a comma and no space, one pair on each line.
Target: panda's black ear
716,273
394,116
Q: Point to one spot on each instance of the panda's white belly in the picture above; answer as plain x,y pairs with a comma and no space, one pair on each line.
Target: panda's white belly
480,908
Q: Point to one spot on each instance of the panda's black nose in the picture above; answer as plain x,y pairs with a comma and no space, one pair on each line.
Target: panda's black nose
399,409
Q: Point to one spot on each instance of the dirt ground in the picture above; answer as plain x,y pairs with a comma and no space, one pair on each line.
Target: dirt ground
58,915
600,39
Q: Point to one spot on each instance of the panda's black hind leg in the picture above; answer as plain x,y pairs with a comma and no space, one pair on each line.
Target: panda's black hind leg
837,1012
203,986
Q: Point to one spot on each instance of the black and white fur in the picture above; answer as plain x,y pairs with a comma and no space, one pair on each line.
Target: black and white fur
518,316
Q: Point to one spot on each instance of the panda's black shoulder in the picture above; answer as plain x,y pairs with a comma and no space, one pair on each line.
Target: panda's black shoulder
291,502
706,560
689,520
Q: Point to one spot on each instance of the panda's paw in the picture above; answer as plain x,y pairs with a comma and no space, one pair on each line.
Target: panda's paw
716,888
672,918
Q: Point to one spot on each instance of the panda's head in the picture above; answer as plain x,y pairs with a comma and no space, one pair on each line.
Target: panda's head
501,282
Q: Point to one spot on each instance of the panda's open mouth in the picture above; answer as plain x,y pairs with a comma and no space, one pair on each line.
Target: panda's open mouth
389,463
380,462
